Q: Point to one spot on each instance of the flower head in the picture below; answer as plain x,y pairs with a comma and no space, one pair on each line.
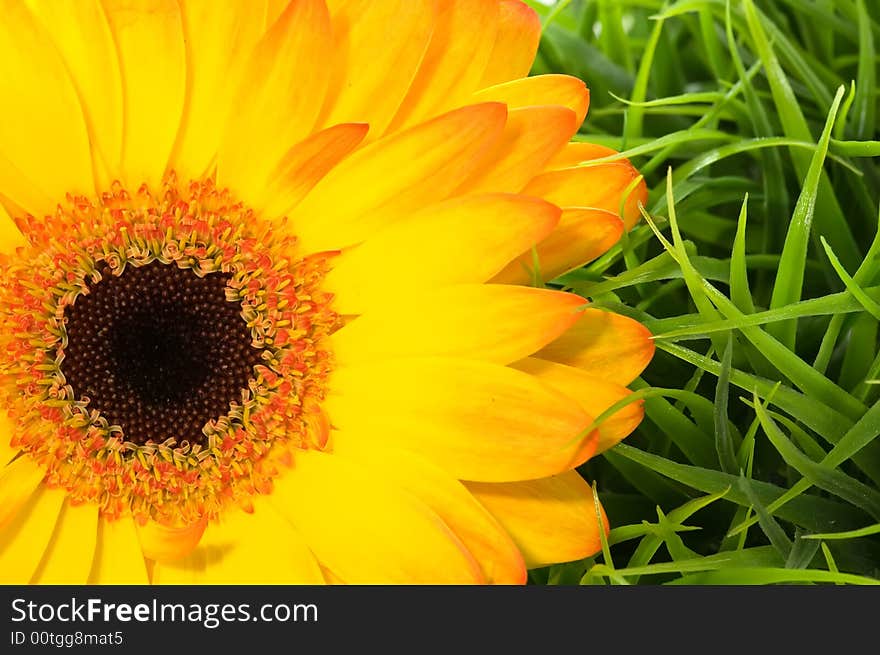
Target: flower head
263,305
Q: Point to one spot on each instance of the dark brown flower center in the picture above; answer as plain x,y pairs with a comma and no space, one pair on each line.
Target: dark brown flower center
158,351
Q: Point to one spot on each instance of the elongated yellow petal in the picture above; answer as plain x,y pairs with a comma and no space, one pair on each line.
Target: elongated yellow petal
83,37
476,420
242,548
118,556
532,135
495,323
24,539
574,154
594,395
43,134
462,41
579,152
274,9
608,345
395,177
551,520
369,88
519,31
24,196
71,550
150,41
365,530
188,570
463,240
581,236
601,186
220,40
307,163
331,578
18,481
540,90
277,103
500,560
164,544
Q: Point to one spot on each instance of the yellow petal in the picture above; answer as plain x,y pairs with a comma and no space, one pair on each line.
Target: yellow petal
274,9
551,520
71,550
531,137
476,420
164,543
18,481
43,135
306,163
463,240
396,176
365,530
495,323
500,560
277,103
601,186
594,395
462,41
242,548
574,154
331,578
7,450
519,31
150,41
378,49
118,556
608,345
19,195
83,37
24,539
219,41
540,90
581,236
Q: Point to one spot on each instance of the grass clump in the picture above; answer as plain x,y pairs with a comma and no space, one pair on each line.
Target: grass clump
757,270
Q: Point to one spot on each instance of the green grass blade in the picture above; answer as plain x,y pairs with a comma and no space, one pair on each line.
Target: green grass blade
835,482
723,439
865,104
766,576
808,512
790,277
830,218
740,293
849,534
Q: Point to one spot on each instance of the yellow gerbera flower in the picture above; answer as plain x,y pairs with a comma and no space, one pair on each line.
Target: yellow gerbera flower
259,313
